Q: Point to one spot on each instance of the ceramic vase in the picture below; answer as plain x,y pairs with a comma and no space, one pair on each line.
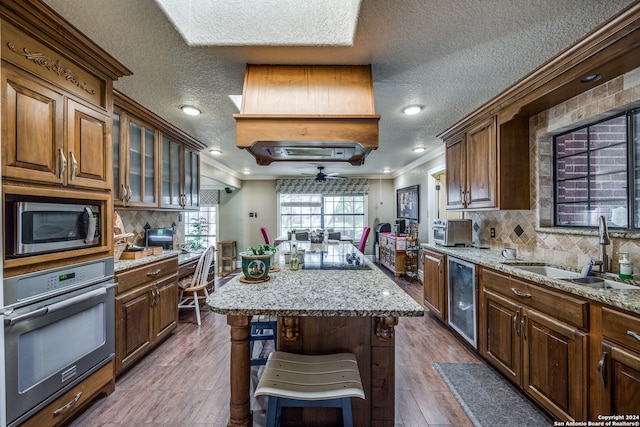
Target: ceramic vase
255,267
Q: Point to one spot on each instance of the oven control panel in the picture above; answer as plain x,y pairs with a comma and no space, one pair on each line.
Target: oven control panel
34,286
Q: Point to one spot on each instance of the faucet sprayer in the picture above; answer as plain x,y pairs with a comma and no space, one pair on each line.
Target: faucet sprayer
604,240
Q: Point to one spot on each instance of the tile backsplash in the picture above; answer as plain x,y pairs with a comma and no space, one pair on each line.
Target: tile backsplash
134,222
529,231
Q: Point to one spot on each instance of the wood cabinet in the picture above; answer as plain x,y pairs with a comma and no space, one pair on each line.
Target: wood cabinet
135,162
488,166
538,338
392,252
179,176
146,309
435,283
619,364
58,412
41,145
158,166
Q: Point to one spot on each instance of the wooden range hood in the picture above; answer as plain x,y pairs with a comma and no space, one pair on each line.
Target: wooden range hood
314,113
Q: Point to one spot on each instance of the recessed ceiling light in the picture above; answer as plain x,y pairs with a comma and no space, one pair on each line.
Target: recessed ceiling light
591,78
246,172
215,152
412,110
386,170
190,110
418,149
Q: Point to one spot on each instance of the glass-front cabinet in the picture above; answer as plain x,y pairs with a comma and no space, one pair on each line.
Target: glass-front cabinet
135,162
180,176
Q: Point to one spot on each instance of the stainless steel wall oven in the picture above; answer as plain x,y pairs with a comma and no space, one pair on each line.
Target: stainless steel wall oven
58,329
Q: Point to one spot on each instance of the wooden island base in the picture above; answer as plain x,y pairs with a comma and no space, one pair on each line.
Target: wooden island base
369,338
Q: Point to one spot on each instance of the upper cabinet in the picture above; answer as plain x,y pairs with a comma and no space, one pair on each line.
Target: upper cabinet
155,164
488,166
135,162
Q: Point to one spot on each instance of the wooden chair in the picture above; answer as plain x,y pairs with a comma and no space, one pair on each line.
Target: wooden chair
263,328
198,282
297,380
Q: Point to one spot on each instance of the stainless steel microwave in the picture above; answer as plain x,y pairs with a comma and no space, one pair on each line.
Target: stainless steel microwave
51,227
452,232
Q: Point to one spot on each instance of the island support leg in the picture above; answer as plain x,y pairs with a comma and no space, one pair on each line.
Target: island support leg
240,409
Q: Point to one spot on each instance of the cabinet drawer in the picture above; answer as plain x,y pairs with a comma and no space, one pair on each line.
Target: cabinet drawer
84,392
147,273
187,268
559,305
621,328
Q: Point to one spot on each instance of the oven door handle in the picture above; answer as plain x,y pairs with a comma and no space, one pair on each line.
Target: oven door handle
59,305
91,227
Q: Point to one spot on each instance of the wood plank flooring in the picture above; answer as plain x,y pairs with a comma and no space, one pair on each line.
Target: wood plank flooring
185,381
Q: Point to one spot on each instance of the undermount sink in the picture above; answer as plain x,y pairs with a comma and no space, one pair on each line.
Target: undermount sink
545,270
574,277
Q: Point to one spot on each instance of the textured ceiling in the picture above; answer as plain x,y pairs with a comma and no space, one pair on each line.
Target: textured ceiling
449,55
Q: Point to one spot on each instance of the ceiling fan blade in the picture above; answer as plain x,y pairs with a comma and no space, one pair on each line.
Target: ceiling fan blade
337,177
333,174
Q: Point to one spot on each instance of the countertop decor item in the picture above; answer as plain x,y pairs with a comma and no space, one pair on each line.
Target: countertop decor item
256,262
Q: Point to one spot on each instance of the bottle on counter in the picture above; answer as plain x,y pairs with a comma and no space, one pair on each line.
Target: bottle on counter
294,263
626,267
293,235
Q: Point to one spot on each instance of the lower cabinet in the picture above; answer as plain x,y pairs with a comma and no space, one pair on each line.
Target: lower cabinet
543,353
146,309
619,364
435,283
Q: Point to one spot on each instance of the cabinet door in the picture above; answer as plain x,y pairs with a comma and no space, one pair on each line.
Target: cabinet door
142,165
501,343
165,309
89,152
554,365
170,174
435,284
133,326
32,130
191,187
481,182
619,371
456,175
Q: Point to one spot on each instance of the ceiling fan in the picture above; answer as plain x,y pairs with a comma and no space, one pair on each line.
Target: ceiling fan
322,177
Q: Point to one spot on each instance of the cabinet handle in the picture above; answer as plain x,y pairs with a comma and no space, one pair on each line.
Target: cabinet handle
157,296
68,405
601,369
515,323
154,272
153,297
520,293
74,165
467,198
63,162
123,192
634,335
129,193
523,329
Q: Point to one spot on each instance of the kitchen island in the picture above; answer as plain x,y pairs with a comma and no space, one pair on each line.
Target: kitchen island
329,305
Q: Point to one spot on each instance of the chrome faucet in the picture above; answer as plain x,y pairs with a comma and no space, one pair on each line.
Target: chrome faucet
603,234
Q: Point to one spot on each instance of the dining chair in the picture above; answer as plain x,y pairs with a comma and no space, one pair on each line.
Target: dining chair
363,239
198,282
265,234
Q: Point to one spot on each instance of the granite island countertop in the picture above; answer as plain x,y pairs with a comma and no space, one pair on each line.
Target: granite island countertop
626,299
314,292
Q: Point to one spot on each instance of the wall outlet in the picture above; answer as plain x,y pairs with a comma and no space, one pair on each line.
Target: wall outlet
493,232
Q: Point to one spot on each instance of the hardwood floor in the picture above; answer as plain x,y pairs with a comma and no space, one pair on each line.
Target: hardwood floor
185,381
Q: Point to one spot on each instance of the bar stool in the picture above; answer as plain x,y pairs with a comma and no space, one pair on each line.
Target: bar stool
298,380
259,327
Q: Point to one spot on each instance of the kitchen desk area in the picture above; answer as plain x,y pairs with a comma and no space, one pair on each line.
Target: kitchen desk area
331,306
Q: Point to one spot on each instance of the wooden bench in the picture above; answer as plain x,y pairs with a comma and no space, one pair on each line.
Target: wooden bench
297,380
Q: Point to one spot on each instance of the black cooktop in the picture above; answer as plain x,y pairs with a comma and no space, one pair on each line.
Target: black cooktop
320,260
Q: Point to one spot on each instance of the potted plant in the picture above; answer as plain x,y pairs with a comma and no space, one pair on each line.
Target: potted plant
256,261
199,226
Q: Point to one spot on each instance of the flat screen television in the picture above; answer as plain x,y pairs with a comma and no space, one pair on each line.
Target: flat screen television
160,237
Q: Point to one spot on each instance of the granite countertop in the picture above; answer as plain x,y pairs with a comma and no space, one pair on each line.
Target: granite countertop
316,293
627,299
126,264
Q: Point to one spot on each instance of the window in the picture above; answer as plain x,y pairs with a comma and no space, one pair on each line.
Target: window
206,217
338,213
596,172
